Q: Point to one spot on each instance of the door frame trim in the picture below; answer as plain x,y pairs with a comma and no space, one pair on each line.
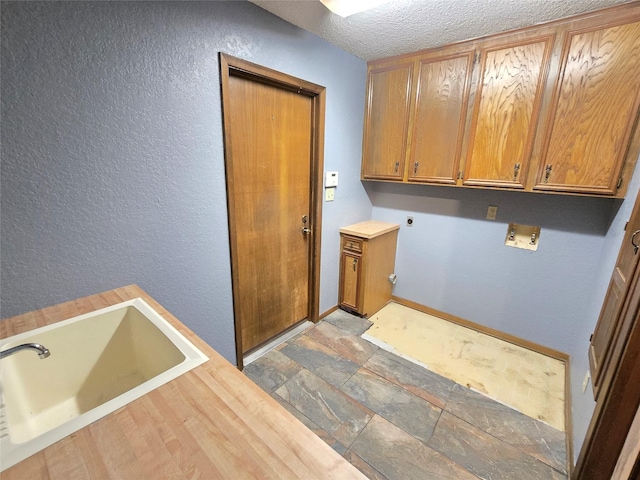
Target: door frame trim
232,66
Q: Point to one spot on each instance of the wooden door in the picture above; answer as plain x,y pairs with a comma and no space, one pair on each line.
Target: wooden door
608,326
386,122
440,113
506,112
273,131
595,106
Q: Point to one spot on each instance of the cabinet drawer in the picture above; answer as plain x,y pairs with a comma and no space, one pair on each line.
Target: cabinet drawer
352,244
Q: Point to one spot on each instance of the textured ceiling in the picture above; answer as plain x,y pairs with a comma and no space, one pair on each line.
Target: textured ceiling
403,26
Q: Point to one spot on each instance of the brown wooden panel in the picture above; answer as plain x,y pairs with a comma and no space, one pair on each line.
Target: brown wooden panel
594,108
380,258
506,113
440,112
269,172
386,122
604,329
353,244
350,268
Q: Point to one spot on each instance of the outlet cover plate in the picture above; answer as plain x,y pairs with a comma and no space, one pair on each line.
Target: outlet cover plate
329,194
585,382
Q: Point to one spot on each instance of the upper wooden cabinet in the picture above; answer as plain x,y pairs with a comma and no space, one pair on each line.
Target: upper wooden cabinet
387,121
506,113
593,111
549,108
442,95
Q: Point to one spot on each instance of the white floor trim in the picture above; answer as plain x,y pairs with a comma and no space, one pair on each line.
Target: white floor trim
275,342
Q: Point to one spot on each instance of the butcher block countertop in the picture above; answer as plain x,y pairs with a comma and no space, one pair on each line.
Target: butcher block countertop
212,422
369,229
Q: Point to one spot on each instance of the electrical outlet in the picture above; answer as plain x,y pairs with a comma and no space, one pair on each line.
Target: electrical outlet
329,194
492,212
409,221
585,382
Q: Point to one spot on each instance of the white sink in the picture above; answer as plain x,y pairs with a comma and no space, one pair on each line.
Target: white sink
99,362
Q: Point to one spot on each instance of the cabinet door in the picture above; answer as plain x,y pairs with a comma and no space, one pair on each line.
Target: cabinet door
506,112
387,122
608,327
595,106
440,112
350,269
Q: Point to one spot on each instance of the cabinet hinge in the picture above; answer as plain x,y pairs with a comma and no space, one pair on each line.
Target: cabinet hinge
590,337
625,226
619,183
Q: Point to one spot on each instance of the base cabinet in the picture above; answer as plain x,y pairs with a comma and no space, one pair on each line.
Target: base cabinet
367,259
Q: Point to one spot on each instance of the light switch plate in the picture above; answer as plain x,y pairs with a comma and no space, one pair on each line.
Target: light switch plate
523,236
492,212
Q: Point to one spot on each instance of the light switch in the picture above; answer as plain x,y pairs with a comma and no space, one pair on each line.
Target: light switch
331,179
492,211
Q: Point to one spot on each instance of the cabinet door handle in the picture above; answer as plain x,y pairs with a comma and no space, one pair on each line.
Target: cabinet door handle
635,245
547,173
415,168
397,165
516,170
355,264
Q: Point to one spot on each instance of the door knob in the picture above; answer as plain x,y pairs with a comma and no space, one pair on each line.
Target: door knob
306,231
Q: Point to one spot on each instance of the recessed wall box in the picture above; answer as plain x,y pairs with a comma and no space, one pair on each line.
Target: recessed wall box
523,236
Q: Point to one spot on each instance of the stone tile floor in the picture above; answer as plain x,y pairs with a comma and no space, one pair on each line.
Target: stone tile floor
393,419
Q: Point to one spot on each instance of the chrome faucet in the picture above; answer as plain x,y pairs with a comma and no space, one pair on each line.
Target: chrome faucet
43,352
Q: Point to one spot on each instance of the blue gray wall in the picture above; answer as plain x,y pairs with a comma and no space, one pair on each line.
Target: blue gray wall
113,173
454,260
112,152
